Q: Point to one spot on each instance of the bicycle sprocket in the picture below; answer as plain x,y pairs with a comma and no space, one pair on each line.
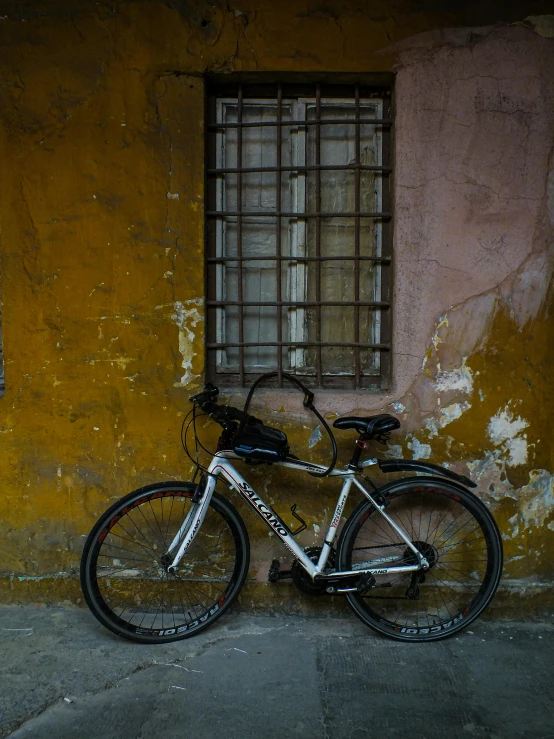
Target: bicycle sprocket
301,578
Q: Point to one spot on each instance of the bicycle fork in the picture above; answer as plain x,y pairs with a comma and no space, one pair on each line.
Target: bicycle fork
192,523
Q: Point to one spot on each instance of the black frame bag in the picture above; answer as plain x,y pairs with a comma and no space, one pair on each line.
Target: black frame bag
256,442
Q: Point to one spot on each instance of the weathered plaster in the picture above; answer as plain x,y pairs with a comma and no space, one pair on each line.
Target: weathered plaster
460,378
187,318
419,450
101,227
505,432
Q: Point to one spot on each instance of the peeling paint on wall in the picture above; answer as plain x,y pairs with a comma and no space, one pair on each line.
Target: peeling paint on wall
505,432
536,497
187,316
315,437
398,407
452,412
419,450
460,378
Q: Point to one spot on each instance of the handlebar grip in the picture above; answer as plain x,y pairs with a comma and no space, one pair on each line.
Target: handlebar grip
206,401
210,391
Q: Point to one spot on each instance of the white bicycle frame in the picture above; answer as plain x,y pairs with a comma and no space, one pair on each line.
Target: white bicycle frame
220,466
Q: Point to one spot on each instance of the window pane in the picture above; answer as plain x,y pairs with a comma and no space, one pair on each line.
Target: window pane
341,236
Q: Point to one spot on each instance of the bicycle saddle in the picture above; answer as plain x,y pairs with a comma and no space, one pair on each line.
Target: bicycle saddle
383,423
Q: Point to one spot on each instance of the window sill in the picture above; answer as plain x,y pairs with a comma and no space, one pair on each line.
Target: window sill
326,400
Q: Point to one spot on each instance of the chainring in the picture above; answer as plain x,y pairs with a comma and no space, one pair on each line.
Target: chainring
301,578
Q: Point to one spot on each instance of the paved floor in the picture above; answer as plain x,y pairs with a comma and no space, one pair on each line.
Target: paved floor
64,676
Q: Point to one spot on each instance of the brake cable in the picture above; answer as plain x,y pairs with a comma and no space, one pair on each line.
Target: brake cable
197,443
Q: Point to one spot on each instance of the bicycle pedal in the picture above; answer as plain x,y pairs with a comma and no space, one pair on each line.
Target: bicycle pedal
275,574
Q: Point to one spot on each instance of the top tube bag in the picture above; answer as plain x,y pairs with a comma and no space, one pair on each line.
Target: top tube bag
256,442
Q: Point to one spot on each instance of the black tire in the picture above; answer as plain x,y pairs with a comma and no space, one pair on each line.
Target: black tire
459,537
124,580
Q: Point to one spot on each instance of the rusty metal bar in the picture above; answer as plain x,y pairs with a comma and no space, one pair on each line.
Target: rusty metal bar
357,236
337,258
386,242
278,238
319,368
301,304
303,168
287,214
239,237
211,274
299,343
331,121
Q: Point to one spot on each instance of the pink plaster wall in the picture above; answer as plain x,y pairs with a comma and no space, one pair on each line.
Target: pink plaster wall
473,151
474,135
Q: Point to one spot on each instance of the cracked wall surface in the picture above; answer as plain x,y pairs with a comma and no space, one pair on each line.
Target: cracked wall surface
102,136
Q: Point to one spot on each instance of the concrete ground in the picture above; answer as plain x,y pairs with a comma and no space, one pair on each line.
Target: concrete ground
64,676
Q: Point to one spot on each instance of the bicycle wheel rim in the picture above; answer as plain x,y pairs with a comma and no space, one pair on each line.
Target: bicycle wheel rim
457,534
125,580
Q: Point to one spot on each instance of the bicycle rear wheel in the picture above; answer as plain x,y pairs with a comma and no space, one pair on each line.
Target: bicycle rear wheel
458,536
124,573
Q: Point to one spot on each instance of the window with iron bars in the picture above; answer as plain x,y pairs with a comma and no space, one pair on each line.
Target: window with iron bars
299,234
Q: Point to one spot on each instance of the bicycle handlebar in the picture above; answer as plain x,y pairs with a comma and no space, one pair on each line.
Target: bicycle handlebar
220,413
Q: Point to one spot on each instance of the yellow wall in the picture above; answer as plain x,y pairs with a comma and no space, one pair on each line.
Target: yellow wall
102,265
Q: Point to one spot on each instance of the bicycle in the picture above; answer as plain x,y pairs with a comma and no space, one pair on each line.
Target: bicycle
418,559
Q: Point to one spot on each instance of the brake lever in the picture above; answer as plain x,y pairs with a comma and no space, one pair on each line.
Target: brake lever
208,393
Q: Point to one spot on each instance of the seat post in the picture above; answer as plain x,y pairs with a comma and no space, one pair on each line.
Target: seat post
361,444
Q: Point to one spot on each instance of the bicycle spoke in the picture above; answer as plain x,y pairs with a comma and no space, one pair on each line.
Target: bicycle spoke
445,529
131,584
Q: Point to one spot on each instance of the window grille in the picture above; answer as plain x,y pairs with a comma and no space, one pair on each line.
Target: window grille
299,234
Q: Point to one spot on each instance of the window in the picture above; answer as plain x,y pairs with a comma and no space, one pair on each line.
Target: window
299,234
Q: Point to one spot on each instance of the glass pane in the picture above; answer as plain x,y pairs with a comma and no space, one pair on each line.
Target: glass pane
337,191
227,153
336,239
370,238
260,327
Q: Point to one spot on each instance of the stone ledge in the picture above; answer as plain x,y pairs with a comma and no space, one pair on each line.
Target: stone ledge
515,599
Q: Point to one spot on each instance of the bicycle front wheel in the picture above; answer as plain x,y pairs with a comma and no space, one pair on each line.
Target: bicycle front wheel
124,573
457,535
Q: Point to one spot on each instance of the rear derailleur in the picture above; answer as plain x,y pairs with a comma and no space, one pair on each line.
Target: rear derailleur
418,578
